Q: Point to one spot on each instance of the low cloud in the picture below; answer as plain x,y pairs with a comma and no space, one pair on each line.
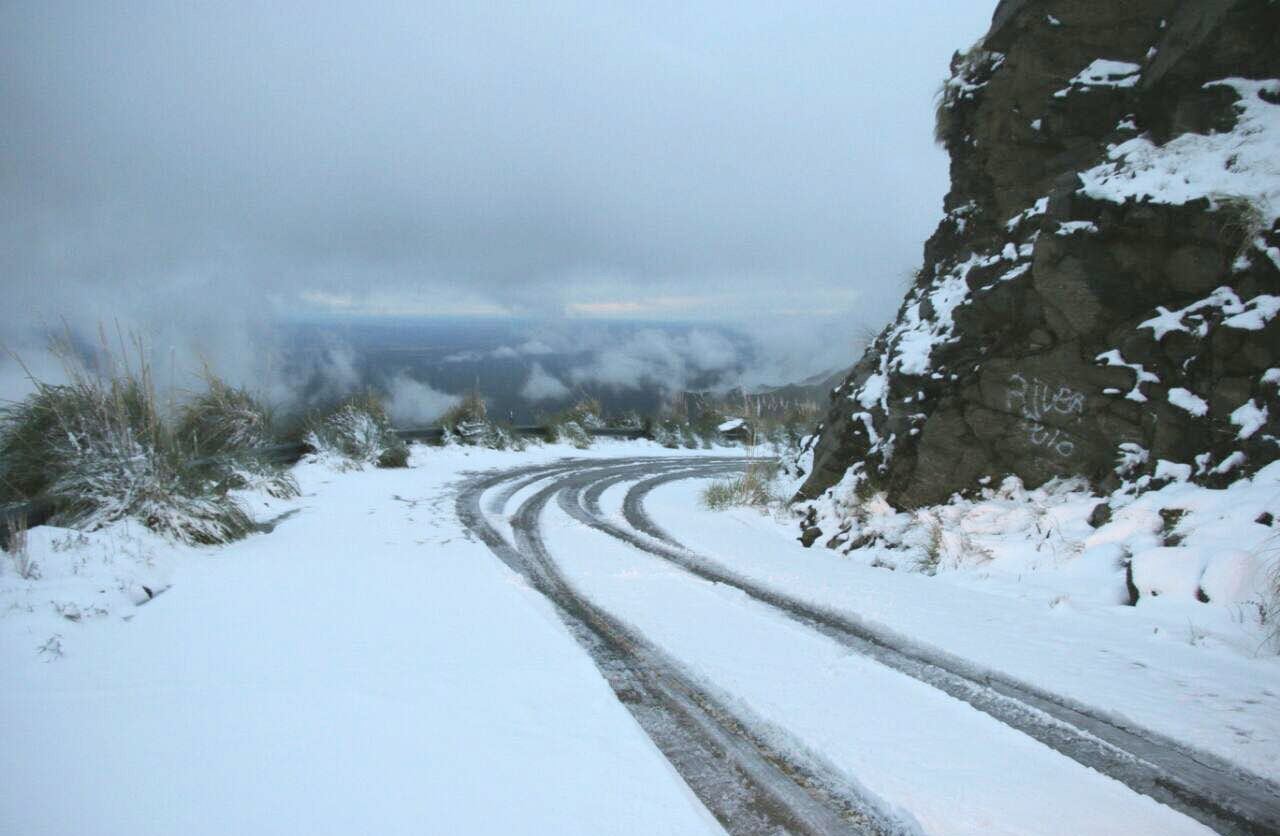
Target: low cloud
204,172
542,386
412,403
653,357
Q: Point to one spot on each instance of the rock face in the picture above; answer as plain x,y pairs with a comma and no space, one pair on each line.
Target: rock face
1102,297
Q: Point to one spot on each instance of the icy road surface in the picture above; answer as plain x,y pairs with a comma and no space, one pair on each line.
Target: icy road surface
519,643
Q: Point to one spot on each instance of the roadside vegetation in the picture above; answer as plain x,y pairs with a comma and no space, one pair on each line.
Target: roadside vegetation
358,432
100,449
223,430
468,423
755,488
573,425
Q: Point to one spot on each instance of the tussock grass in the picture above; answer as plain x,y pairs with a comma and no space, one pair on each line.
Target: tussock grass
359,431
573,425
98,447
467,422
753,489
220,431
223,418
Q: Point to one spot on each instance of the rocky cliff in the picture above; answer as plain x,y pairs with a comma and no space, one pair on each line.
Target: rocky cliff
1102,297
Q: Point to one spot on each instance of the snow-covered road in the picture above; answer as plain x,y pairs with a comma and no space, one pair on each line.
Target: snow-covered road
862,717
373,666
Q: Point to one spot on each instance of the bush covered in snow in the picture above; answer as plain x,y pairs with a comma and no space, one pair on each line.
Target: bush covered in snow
99,449
468,423
358,432
675,432
222,431
573,425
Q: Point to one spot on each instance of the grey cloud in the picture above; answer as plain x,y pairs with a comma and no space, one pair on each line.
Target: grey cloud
412,403
651,356
543,386
196,170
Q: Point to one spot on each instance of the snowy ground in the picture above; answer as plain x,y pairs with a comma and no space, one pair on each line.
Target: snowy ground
368,667
1021,583
937,764
364,668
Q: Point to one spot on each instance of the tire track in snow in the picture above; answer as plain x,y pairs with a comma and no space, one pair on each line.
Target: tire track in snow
1196,784
750,787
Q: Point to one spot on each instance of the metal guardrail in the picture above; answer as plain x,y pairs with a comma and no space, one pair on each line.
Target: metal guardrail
41,509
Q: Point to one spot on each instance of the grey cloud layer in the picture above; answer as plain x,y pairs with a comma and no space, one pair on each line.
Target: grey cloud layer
206,165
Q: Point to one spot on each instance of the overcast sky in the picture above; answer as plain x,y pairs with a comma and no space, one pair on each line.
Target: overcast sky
213,165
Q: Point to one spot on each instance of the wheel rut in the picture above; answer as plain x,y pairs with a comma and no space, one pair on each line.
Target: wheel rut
748,785
752,786
1195,783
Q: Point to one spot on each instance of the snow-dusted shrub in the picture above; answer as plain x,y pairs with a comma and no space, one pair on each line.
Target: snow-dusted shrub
674,433
358,432
625,421
661,433
568,431
574,424
97,447
754,489
468,423
223,430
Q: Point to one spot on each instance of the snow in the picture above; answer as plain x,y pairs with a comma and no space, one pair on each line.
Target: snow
1115,358
1171,572
1230,463
1232,576
1174,471
1260,310
1072,227
364,668
1026,586
877,727
1240,314
1036,209
874,391
1015,272
1188,400
1241,163
913,336
1103,72
367,667
731,424
1249,418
